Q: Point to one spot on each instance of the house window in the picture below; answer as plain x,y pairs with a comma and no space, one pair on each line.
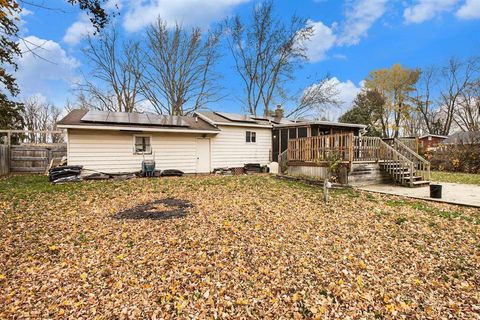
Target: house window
142,145
251,137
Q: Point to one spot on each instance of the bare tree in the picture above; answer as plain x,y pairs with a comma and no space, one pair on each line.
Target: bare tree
317,98
40,115
467,115
266,52
457,77
114,82
179,76
425,101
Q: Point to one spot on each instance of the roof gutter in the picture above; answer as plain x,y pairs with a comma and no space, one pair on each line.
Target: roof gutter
331,124
117,128
250,125
233,124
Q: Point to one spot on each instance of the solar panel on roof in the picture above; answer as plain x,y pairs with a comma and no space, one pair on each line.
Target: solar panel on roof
159,120
162,120
118,117
95,116
139,118
236,117
133,118
260,118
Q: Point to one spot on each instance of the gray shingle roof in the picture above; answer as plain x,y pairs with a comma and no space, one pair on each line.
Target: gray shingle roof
463,138
75,116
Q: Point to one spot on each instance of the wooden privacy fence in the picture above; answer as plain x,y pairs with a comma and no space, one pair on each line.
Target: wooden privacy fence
4,160
321,148
29,158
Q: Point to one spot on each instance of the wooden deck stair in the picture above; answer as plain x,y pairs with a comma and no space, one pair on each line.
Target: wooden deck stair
404,165
401,163
403,174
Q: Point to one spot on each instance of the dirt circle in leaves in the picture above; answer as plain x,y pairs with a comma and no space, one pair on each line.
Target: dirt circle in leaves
162,209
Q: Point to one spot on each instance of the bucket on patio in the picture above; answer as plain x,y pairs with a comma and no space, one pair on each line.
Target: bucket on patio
436,191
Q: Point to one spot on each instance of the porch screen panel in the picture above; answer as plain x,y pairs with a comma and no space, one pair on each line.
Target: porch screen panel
283,140
292,133
302,132
275,145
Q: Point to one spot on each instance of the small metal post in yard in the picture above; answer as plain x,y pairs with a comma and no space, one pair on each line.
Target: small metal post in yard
326,185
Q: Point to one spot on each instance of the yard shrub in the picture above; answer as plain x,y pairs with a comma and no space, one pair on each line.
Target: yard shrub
457,158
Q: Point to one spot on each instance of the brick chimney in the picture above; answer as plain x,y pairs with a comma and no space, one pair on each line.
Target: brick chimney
279,111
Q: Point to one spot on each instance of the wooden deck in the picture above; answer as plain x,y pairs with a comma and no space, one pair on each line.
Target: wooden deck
344,147
403,164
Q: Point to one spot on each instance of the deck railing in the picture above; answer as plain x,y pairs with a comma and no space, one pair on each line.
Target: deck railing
411,143
321,148
366,149
402,163
397,165
421,165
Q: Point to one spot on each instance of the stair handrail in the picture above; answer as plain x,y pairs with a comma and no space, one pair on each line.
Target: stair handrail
423,164
402,161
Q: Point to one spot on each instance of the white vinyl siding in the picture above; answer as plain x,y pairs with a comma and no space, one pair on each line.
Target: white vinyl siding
229,148
113,151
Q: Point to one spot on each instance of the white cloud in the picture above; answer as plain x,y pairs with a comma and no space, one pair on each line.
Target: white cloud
322,40
79,30
43,62
425,10
469,10
83,27
347,93
114,5
360,16
189,12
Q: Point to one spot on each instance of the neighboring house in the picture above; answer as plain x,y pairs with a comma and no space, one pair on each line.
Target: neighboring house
468,137
430,141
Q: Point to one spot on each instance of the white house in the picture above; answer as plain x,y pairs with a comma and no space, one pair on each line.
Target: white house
118,142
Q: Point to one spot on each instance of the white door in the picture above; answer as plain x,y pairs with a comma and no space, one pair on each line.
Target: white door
203,155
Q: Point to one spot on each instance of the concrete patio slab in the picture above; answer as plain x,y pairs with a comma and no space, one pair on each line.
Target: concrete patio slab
455,193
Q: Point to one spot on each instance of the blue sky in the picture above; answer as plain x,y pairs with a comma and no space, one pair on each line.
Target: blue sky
352,38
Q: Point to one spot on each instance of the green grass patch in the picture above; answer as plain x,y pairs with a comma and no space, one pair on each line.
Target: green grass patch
447,214
455,177
400,220
351,193
395,203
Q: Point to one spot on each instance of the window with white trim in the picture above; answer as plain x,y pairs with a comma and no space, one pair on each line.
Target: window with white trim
251,137
142,145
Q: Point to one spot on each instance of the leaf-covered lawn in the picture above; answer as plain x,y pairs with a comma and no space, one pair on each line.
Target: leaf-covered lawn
249,246
456,177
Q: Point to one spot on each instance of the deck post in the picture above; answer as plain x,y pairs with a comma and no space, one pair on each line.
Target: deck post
350,149
411,174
